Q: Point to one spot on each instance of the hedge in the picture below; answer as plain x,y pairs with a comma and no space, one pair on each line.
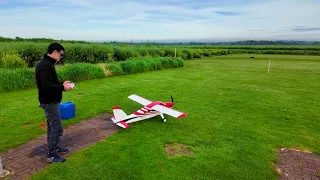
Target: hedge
24,78
16,79
80,72
137,66
31,52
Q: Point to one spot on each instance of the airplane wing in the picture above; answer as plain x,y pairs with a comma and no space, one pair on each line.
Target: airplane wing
139,99
169,111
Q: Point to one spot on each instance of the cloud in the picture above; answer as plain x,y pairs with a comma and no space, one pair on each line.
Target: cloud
256,30
223,13
158,20
305,29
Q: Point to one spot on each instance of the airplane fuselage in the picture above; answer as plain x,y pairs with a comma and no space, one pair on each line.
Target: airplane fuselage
150,110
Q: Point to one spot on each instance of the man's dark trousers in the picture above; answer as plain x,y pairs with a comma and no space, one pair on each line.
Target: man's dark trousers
54,125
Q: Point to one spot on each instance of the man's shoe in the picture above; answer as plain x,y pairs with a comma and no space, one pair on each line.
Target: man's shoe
62,150
55,158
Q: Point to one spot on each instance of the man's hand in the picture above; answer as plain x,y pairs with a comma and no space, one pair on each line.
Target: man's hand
67,86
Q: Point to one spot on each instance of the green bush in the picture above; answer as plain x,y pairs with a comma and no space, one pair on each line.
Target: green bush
180,62
168,52
196,54
166,63
142,51
80,71
154,64
128,67
11,60
141,66
147,65
16,79
154,52
115,69
182,54
122,54
207,53
188,53
31,53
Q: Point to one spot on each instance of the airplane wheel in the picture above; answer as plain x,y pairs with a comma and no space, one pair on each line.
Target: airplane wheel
164,120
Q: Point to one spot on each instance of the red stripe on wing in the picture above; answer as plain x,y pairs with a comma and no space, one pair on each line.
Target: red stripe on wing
124,124
137,113
182,115
116,107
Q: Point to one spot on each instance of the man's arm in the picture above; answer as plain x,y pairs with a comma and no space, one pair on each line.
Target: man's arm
46,79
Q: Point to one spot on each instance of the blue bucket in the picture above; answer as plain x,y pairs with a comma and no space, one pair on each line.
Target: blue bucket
67,110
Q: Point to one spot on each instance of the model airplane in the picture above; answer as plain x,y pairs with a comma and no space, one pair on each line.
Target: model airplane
150,109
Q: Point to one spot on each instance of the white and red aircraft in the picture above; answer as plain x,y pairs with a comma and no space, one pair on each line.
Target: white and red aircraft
150,109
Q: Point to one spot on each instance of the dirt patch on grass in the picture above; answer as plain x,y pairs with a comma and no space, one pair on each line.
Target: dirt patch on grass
43,125
178,149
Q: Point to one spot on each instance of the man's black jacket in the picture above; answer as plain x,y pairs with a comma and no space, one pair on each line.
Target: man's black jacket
49,87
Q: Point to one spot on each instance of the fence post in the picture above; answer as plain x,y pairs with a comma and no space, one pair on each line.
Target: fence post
269,67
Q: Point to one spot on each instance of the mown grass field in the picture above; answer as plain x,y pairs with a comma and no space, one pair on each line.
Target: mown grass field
238,115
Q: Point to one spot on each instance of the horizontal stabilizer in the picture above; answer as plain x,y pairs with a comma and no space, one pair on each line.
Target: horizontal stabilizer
118,113
122,124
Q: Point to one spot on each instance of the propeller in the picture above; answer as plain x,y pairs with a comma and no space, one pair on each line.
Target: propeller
172,103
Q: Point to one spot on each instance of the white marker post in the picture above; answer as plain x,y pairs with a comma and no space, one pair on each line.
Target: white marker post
269,67
3,172
1,168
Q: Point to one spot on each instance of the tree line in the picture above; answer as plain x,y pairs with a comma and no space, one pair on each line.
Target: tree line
247,42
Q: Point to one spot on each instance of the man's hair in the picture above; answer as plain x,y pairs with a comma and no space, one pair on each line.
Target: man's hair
55,46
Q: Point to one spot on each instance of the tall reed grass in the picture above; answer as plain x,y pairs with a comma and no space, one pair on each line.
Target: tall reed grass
24,78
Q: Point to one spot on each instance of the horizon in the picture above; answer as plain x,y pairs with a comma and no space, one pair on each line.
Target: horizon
177,21
164,41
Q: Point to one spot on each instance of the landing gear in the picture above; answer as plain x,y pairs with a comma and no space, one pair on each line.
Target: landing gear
163,118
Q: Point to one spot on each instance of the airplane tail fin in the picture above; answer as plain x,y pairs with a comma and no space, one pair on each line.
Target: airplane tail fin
118,116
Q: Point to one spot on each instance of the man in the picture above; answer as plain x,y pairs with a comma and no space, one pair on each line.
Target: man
50,95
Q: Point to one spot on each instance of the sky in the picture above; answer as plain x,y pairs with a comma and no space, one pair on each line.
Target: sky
177,20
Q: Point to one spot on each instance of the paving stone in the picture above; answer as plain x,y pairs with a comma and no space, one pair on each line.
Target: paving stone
295,164
25,160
